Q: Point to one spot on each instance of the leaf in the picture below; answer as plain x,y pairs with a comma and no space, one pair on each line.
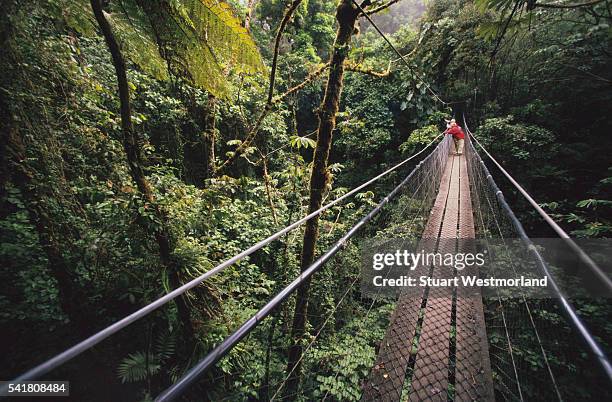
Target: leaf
165,345
592,203
301,142
134,368
234,142
202,39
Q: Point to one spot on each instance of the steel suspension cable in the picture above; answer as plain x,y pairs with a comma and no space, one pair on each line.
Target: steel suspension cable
528,309
101,335
314,338
524,299
224,347
282,383
375,298
605,279
574,319
503,315
365,14
378,293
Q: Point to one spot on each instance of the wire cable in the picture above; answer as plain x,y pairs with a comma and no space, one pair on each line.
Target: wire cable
365,14
228,343
470,148
574,319
374,299
378,293
605,279
315,338
101,335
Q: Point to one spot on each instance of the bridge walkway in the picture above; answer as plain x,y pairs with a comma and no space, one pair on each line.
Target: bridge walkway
435,348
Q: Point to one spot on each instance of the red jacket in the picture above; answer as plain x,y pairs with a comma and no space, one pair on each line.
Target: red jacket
457,132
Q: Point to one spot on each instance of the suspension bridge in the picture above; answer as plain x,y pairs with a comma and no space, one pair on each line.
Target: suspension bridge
437,346
451,218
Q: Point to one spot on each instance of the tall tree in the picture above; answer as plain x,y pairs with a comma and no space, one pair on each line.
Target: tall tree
346,15
133,153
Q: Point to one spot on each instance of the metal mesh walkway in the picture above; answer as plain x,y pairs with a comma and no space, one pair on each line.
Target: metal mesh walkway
435,347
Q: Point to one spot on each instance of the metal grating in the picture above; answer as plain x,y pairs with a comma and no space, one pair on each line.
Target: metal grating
421,357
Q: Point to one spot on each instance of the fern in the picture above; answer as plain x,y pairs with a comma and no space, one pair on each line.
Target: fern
134,367
489,30
137,44
165,346
495,4
200,39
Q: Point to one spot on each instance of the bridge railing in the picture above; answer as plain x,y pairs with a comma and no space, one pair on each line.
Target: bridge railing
337,353
539,346
419,181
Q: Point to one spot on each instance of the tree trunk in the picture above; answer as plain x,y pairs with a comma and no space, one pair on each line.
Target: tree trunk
210,123
346,14
134,159
249,13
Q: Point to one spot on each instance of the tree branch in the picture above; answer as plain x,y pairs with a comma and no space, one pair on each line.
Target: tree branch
270,100
267,108
358,68
568,6
311,77
279,34
382,7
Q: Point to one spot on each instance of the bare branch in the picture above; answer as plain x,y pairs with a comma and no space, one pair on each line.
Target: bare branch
279,34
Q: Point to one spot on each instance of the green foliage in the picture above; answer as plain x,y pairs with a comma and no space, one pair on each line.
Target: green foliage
594,215
302,142
28,294
137,367
418,139
343,361
140,365
532,147
540,107
200,38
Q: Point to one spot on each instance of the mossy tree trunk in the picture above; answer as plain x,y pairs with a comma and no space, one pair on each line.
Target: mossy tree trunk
133,152
346,15
210,123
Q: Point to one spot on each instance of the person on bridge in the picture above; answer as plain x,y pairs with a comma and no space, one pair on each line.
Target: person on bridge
458,135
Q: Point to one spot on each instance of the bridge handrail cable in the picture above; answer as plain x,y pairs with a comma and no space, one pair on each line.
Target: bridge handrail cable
605,279
575,321
224,347
101,335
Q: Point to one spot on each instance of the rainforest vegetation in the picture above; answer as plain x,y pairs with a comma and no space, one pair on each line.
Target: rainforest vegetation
145,142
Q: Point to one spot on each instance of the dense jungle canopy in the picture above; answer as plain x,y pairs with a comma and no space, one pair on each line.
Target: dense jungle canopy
144,142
